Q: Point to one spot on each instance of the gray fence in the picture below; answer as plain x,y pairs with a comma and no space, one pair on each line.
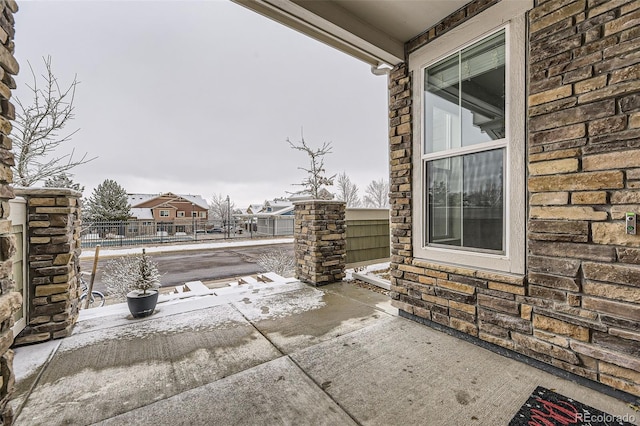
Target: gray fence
137,232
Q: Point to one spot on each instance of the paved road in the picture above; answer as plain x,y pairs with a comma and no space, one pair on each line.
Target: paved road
204,265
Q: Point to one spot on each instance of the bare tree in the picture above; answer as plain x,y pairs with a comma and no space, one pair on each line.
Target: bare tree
347,191
220,208
316,178
37,129
377,194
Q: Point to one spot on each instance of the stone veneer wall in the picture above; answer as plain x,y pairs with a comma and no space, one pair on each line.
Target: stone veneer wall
320,241
578,307
10,301
53,247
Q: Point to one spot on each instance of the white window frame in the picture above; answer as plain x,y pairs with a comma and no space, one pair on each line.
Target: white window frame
511,17
180,213
164,215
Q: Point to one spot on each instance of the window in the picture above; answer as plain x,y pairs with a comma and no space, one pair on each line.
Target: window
469,140
203,214
180,214
164,213
464,146
194,214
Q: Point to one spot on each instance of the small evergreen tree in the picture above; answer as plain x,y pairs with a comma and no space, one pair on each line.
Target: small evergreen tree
148,277
108,202
129,273
63,180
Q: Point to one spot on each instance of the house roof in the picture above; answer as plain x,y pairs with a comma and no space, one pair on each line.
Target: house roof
141,213
274,207
371,30
137,199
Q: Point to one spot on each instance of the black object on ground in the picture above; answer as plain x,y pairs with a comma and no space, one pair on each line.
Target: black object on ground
547,408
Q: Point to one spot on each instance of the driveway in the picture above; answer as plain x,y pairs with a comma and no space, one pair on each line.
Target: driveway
180,266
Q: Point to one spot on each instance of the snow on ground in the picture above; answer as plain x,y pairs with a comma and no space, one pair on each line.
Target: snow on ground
281,305
29,358
205,319
89,253
369,269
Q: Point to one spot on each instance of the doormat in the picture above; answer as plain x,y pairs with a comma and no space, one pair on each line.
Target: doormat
547,408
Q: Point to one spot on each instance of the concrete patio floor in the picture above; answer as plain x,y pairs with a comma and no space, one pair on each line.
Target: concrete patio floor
278,353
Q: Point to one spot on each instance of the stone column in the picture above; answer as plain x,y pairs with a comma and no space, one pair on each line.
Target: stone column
400,180
10,301
320,241
53,247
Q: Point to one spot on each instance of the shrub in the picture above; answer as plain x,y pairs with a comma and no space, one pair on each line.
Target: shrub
125,274
279,261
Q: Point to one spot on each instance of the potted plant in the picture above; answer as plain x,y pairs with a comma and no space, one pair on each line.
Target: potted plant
143,298
133,277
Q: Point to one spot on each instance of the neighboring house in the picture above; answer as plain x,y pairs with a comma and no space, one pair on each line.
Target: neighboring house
271,217
514,166
168,207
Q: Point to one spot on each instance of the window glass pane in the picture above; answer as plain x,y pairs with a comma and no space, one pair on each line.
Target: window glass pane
464,97
483,90
483,213
444,180
441,99
465,201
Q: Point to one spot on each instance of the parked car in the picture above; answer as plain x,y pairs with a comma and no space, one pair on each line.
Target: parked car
215,230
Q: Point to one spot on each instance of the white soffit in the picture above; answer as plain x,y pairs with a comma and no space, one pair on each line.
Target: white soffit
371,30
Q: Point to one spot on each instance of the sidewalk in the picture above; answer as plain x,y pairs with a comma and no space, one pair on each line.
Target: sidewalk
274,353
89,253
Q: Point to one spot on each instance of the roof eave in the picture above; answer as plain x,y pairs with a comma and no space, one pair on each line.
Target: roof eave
373,49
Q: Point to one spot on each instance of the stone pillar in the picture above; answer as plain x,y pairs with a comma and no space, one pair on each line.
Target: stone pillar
10,301
400,178
53,247
320,241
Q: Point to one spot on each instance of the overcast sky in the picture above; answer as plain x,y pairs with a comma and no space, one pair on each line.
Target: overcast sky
199,97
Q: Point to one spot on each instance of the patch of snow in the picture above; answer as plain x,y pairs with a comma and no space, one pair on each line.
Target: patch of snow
281,305
29,358
204,319
369,269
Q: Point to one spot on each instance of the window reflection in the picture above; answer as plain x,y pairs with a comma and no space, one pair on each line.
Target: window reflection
465,200
464,97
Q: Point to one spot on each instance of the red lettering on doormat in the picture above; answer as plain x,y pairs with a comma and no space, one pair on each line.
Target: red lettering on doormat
563,413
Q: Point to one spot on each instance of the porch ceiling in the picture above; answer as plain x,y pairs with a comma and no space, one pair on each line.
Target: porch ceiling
371,30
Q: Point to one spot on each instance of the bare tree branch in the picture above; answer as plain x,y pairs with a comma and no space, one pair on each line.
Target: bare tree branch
316,179
377,194
219,209
37,130
347,191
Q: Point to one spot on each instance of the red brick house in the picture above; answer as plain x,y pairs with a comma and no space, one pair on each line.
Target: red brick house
168,207
514,129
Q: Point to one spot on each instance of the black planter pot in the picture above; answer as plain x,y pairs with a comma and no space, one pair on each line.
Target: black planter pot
142,305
